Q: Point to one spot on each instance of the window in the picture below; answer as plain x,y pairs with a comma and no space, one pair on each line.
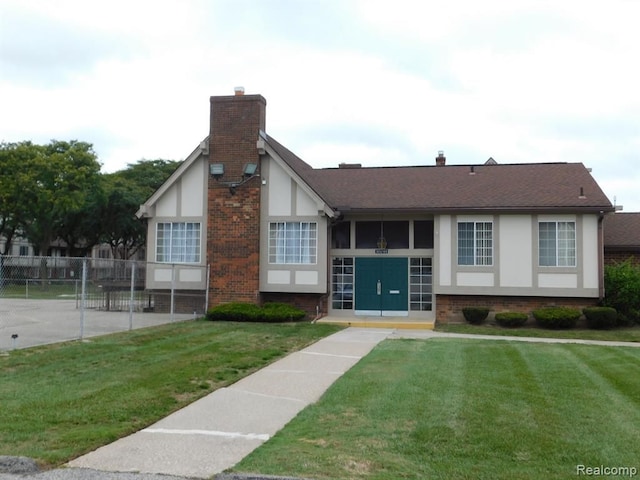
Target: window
24,250
387,234
292,242
178,242
420,283
557,244
475,243
341,235
423,234
342,283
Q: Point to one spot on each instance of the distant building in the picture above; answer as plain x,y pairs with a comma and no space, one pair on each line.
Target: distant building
622,238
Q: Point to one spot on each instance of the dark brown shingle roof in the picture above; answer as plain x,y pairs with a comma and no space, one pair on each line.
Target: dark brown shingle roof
513,187
622,230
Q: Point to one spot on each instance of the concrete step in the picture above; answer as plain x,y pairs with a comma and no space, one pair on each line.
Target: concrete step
380,322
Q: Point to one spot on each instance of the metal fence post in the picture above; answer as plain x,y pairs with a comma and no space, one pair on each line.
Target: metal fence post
133,282
83,296
173,288
206,290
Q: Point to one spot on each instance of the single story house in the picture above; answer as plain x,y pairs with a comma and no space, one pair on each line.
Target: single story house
419,242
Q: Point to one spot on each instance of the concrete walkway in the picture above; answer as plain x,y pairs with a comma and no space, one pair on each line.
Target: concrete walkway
217,431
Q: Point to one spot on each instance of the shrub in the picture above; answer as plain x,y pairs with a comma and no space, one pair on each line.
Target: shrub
281,312
601,317
475,315
235,312
248,312
511,319
622,291
557,317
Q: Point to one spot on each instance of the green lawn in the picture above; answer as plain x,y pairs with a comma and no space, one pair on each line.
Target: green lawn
47,290
60,401
467,409
627,334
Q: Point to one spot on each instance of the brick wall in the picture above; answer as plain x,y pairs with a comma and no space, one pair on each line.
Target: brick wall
619,256
304,301
184,301
233,230
449,307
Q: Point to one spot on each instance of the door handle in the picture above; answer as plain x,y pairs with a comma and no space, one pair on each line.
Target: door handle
379,288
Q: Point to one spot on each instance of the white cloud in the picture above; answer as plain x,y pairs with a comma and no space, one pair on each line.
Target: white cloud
358,81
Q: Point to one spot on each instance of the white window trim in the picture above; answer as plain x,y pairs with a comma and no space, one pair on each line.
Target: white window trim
476,244
289,250
574,248
168,257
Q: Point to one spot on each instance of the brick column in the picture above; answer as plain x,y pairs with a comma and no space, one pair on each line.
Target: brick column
233,230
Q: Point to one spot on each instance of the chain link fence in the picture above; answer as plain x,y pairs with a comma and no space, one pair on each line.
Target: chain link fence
48,299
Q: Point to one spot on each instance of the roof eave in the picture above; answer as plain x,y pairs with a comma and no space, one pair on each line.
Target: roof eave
482,210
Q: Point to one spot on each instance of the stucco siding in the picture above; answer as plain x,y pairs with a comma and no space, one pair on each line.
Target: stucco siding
590,251
443,247
516,251
475,279
279,188
557,280
192,191
305,205
167,205
286,200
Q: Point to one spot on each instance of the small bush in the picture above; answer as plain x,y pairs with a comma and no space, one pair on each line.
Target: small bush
557,317
475,315
601,317
281,312
235,312
511,319
248,312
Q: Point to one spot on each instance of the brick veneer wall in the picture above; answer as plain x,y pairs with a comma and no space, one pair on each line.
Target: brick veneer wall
184,301
311,303
233,230
619,256
449,307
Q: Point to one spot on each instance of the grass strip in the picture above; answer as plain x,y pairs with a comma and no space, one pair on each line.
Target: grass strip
61,401
466,409
626,334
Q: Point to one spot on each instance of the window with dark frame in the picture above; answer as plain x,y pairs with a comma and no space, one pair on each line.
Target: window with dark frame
391,234
341,235
423,234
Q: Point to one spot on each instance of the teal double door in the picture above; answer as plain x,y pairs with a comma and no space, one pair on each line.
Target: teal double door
381,286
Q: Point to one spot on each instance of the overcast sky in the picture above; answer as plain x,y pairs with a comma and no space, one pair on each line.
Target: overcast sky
371,82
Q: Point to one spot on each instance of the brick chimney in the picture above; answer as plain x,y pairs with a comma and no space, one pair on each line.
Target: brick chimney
233,230
441,160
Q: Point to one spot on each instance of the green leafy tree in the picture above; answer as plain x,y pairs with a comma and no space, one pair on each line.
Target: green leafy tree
148,175
15,181
125,191
81,228
58,178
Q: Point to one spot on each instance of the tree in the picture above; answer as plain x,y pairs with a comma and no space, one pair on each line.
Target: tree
58,178
622,291
15,180
148,175
120,228
81,229
125,191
